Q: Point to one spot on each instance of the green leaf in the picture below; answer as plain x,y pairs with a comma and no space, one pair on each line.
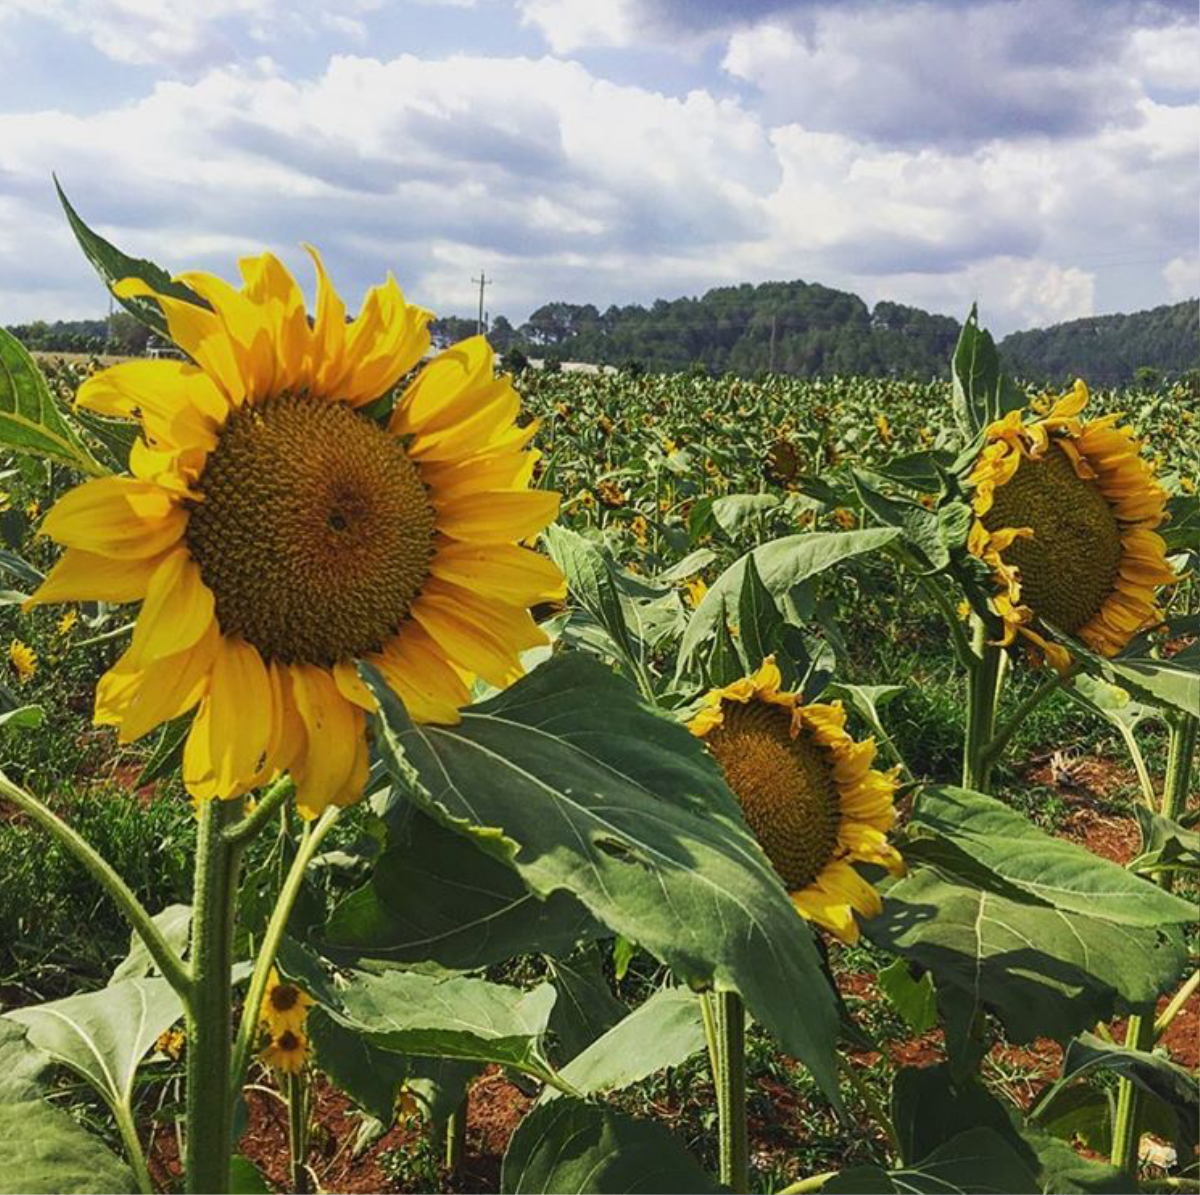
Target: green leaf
1181,531
43,1151
1166,845
30,421
440,1084
981,392
370,1076
24,717
586,1007
175,922
116,437
1073,1110
1171,683
435,898
591,582
103,1036
567,1145
920,526
1161,1077
865,700
20,568
245,1178
782,564
914,999
1043,971
664,1031
759,620
168,751
112,265
457,1017
571,780
691,564
735,511
976,1162
1057,872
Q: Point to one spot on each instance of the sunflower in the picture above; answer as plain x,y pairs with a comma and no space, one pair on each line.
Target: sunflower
23,659
284,1005
808,793
287,1051
276,532
1065,511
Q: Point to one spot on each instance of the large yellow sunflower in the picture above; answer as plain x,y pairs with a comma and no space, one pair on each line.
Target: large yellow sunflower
808,792
275,534
1065,511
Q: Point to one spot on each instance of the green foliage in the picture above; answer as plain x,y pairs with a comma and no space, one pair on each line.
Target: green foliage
42,1149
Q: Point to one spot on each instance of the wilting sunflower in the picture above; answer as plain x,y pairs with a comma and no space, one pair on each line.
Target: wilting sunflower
807,791
286,1051
1065,511
284,1005
276,533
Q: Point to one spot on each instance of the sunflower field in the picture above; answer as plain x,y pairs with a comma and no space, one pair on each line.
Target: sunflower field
421,778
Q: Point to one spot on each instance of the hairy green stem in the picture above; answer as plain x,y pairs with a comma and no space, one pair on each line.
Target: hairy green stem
127,1126
1127,1127
209,1108
968,657
1176,1004
731,1092
991,751
248,1027
165,959
983,683
264,811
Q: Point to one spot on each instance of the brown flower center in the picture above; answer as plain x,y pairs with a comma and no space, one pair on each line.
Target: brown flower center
284,997
314,533
785,786
1069,567
288,1041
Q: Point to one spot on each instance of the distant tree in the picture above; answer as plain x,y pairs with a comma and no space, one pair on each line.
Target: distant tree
127,336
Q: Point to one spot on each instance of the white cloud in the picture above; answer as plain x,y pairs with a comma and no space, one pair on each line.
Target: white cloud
566,185
1182,276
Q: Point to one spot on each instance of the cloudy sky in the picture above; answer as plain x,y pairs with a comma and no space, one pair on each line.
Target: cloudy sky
1041,156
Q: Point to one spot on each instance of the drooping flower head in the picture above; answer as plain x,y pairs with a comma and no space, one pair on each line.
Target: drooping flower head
807,791
284,1006
286,1051
1065,511
276,534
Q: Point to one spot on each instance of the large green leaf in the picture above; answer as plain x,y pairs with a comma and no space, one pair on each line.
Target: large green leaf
930,1107
30,421
578,786
175,922
104,1035
42,1150
112,265
435,897
978,1161
981,392
567,1145
592,584
586,1006
456,1017
782,564
1057,872
664,1031
370,1076
1041,970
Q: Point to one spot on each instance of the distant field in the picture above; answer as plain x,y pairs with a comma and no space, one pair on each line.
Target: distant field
46,358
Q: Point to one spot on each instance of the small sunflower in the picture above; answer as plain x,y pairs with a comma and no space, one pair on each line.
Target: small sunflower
696,589
284,1005
23,659
1065,511
808,792
286,1051
275,533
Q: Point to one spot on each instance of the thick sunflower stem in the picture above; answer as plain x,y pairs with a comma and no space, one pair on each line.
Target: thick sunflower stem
726,1016
1140,1035
209,1109
248,1027
983,685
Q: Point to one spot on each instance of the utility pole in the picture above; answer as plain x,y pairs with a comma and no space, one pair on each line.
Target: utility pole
483,281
